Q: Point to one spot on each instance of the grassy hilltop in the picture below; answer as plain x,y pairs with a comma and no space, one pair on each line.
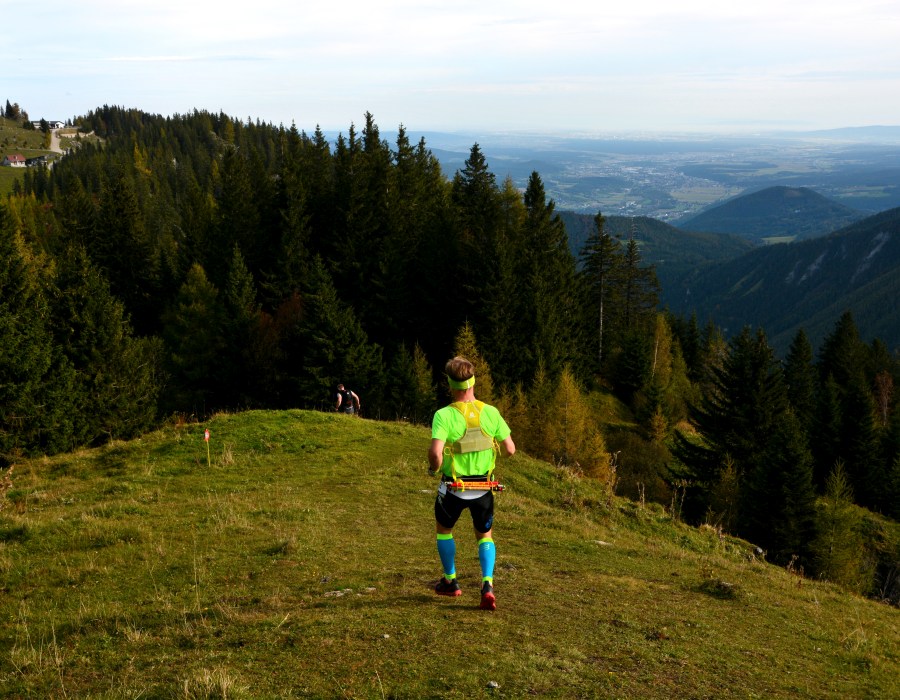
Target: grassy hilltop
298,562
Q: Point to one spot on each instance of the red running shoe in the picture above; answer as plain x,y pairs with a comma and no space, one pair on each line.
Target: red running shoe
488,601
445,587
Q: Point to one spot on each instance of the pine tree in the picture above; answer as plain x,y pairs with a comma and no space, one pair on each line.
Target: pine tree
573,436
843,354
36,381
839,550
860,449
400,387
242,378
601,257
507,303
238,220
193,331
547,275
120,247
410,387
335,348
466,346
639,290
777,502
117,376
664,396
736,418
424,393
285,271
477,209
800,377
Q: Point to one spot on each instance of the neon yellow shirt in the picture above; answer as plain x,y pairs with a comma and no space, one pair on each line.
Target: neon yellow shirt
449,425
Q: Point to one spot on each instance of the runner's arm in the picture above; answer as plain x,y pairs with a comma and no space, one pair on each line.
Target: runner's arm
436,455
507,447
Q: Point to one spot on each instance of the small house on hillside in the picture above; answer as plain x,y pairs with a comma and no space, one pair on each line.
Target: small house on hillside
15,161
50,125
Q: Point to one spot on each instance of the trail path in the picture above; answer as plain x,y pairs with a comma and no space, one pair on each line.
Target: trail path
54,141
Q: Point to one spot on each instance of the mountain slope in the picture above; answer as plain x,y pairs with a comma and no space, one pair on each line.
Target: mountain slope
298,560
673,251
775,212
807,284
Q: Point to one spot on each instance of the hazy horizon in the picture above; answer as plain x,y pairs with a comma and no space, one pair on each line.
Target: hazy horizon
647,66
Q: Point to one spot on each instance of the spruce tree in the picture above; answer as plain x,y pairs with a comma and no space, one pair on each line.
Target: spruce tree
410,392
117,376
238,221
843,355
860,449
547,279
477,209
601,258
639,290
242,378
507,303
736,418
399,391
122,250
777,501
827,432
334,348
37,402
193,332
466,346
424,393
801,379
286,268
838,549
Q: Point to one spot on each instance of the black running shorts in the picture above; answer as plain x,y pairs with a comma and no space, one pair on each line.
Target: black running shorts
448,508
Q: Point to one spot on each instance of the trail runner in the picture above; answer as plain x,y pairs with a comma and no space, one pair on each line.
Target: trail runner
466,437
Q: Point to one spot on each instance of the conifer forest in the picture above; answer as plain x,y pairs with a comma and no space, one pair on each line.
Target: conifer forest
181,266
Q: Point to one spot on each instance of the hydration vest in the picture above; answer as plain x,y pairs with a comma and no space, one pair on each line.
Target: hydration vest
346,400
474,439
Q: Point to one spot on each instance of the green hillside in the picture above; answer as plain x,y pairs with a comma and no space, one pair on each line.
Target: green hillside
775,214
808,284
296,559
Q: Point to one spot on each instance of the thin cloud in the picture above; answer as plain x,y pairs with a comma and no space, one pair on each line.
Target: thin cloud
565,64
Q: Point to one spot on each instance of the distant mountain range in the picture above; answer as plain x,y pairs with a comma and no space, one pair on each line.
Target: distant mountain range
735,281
808,284
775,214
877,133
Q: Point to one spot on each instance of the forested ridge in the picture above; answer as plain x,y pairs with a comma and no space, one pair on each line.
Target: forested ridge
197,263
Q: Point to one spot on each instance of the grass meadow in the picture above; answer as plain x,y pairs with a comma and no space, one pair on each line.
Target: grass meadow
296,559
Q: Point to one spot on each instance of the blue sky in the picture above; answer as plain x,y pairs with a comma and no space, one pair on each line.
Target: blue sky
637,65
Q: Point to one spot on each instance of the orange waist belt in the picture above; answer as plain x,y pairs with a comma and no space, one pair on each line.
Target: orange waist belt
475,485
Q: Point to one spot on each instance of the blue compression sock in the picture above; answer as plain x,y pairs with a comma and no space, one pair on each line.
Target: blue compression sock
446,547
487,555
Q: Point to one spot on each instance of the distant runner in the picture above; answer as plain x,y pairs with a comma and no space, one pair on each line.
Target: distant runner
347,400
474,433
